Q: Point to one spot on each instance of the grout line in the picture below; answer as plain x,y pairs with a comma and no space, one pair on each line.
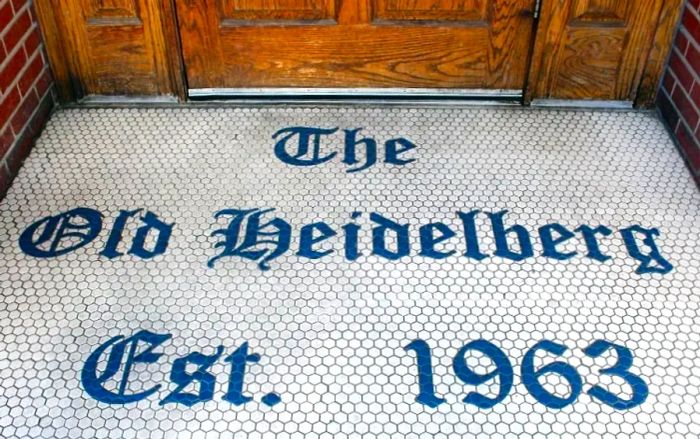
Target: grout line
24,128
22,98
691,132
686,93
679,148
15,18
19,46
693,11
693,73
675,109
23,70
691,39
676,82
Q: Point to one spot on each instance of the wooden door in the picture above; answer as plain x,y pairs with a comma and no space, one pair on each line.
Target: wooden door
594,49
483,44
111,47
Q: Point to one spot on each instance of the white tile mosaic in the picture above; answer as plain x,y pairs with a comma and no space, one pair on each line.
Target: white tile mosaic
314,336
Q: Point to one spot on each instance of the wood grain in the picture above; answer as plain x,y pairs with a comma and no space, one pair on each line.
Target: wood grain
60,55
173,51
510,34
658,54
319,56
201,45
590,60
277,9
110,9
585,49
599,10
110,47
592,49
441,10
442,44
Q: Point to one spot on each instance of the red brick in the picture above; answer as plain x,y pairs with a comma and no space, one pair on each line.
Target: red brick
18,29
688,112
8,106
19,4
11,70
668,83
44,82
668,111
681,42
689,146
26,139
695,93
42,115
31,73
4,180
691,23
693,58
32,41
6,139
6,15
20,151
24,112
32,11
685,77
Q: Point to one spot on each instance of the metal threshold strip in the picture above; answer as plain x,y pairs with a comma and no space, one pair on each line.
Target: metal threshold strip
424,97
353,94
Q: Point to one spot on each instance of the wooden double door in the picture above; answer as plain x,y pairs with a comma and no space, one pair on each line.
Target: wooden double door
551,49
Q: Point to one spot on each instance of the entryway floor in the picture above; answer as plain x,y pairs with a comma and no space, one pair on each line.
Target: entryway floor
484,271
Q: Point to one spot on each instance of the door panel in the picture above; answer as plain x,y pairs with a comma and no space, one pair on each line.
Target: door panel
114,46
600,11
276,10
468,10
97,10
593,49
351,43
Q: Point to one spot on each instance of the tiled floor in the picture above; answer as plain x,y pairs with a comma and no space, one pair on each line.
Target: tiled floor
122,324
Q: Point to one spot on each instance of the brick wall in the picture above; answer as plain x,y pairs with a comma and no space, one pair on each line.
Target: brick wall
679,96
26,92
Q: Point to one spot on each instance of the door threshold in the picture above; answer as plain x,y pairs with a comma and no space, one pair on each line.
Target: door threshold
296,94
583,104
116,100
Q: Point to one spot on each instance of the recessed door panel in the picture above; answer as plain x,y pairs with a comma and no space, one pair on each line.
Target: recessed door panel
368,43
593,49
284,10
414,10
115,46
